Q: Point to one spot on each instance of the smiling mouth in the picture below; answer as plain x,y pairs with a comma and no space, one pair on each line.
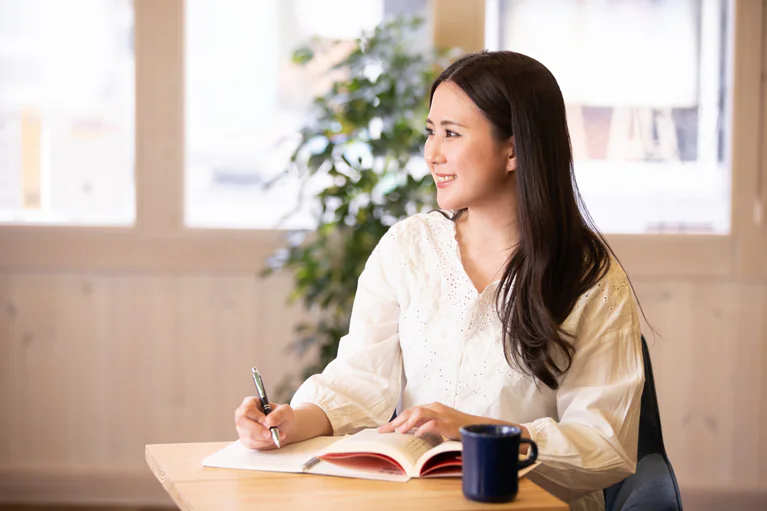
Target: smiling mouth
445,179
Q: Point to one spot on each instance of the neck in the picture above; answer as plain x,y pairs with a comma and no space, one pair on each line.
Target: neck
492,226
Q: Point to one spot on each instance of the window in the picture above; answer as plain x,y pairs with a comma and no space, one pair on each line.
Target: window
187,147
647,88
67,100
245,100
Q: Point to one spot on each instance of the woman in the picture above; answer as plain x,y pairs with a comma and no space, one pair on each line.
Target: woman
509,309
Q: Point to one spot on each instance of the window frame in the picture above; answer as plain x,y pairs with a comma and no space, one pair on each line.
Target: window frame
159,241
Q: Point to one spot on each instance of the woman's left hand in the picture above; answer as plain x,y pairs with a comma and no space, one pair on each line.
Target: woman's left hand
433,418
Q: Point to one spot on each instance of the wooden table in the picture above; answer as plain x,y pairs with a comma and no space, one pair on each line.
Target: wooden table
196,488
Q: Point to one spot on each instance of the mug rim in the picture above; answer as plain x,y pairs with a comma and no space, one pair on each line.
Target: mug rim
507,430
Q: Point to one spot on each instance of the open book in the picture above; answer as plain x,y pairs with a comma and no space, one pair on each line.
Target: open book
365,455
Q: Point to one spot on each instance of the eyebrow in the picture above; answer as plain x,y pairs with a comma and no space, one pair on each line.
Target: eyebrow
446,123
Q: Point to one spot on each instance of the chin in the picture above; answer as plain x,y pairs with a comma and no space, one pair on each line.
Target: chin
449,203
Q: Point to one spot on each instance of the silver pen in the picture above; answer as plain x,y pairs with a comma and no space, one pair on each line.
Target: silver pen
265,404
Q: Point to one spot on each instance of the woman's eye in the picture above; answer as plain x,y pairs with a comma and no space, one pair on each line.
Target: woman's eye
448,133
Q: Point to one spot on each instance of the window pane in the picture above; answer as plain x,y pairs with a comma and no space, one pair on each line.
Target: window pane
245,100
66,111
647,93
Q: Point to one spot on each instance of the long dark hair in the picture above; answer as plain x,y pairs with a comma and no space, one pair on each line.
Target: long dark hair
560,254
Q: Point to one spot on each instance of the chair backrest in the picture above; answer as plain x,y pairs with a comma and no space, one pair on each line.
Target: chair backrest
650,432
654,485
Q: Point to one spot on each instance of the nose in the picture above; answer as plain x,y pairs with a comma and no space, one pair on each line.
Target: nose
433,152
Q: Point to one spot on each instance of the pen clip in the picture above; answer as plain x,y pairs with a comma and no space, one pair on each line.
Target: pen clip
257,381
260,389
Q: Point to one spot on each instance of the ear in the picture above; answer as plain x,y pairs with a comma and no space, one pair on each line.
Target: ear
511,157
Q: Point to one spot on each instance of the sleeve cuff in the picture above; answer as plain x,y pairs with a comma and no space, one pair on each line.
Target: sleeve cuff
337,414
537,430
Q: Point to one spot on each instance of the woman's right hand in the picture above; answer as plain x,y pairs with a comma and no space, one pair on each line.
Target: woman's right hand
253,426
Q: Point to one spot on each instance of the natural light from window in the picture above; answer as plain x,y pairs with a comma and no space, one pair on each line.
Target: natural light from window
67,112
246,100
647,87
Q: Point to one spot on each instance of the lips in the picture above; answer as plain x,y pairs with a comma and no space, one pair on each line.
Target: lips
444,180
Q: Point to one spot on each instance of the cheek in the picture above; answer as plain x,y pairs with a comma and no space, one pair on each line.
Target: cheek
456,153
479,159
493,161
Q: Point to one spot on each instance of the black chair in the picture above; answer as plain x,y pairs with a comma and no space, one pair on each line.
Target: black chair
653,486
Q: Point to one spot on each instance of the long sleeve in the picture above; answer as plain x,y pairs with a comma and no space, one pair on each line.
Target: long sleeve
361,387
594,442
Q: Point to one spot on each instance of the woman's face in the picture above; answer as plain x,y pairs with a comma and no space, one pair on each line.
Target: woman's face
469,165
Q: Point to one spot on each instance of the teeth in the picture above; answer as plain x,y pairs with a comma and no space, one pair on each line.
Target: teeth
443,179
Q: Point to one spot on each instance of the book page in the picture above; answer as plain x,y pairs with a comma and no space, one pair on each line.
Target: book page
446,446
449,446
445,460
361,467
290,458
404,448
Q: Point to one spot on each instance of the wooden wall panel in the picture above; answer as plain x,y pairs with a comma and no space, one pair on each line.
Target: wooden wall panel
80,329
96,365
7,380
129,356
38,393
749,385
761,447
710,415
708,359
667,305
458,23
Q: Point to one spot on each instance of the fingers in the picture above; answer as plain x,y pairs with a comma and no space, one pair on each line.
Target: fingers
419,416
251,425
391,425
434,418
249,408
409,419
429,428
386,428
280,414
253,438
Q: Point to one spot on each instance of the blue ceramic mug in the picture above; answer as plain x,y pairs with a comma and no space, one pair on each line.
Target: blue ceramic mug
491,461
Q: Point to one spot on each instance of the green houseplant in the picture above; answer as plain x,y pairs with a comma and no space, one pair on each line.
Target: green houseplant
358,149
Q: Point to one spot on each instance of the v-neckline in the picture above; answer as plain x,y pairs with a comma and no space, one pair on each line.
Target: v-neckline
455,253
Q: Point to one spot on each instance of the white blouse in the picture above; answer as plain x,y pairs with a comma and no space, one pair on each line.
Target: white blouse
421,333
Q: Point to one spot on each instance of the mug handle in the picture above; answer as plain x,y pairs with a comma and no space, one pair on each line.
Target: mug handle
532,455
